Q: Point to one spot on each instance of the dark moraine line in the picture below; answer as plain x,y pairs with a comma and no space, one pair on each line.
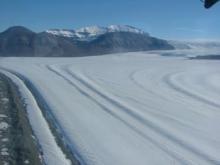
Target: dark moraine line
206,57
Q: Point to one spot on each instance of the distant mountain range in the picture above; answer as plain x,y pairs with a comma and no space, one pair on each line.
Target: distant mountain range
196,44
20,41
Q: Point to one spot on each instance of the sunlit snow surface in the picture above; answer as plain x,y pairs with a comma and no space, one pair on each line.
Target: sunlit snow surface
131,109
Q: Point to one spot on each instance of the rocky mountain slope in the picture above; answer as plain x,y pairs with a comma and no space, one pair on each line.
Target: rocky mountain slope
20,41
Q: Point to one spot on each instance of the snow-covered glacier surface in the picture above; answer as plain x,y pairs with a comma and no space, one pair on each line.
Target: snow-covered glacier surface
133,108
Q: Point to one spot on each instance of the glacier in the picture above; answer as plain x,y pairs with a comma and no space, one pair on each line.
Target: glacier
127,109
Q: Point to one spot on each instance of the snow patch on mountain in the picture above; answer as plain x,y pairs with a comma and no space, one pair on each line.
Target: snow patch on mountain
124,28
91,32
62,32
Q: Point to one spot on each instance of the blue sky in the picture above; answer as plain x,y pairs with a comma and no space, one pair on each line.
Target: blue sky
168,19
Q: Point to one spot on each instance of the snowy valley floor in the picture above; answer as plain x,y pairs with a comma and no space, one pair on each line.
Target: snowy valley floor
122,109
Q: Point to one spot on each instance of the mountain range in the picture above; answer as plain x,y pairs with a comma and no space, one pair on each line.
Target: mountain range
20,41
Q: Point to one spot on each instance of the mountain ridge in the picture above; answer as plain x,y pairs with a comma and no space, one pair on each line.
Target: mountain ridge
20,41
91,32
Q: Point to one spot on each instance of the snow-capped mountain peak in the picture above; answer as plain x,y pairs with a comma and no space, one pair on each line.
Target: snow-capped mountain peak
124,28
91,32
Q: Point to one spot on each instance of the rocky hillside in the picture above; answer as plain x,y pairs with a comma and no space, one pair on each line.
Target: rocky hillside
20,41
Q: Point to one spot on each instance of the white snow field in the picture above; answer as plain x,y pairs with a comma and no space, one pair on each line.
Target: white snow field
126,109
